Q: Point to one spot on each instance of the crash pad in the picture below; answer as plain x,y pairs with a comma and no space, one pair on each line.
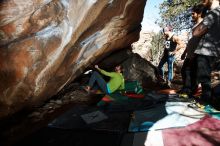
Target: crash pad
117,102
205,132
144,119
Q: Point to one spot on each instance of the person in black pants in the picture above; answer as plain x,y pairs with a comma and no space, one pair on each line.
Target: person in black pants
188,70
208,50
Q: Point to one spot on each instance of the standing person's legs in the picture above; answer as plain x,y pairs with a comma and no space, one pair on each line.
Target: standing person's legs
204,76
193,75
183,71
97,78
161,64
171,60
186,74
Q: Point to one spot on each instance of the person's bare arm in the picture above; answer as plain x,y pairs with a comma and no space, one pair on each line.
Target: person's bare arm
110,74
180,44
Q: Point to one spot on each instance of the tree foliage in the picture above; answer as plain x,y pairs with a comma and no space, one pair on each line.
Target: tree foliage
156,47
176,13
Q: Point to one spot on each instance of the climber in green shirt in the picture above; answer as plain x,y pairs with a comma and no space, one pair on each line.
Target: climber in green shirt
116,81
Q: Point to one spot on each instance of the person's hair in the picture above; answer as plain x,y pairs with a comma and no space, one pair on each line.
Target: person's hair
121,67
200,9
167,28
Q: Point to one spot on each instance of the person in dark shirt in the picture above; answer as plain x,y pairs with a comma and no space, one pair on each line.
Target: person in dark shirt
208,50
188,71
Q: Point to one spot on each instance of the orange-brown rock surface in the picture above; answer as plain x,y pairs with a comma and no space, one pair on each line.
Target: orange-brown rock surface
46,44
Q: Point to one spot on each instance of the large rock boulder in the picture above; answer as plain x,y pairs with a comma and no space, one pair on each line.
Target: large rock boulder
46,44
138,69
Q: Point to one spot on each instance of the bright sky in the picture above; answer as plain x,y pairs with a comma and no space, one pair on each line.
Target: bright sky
151,14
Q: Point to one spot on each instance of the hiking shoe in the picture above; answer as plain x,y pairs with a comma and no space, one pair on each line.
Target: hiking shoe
201,105
198,105
184,95
169,84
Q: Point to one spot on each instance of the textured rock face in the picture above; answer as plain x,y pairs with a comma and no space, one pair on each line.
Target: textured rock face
139,69
143,45
45,44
